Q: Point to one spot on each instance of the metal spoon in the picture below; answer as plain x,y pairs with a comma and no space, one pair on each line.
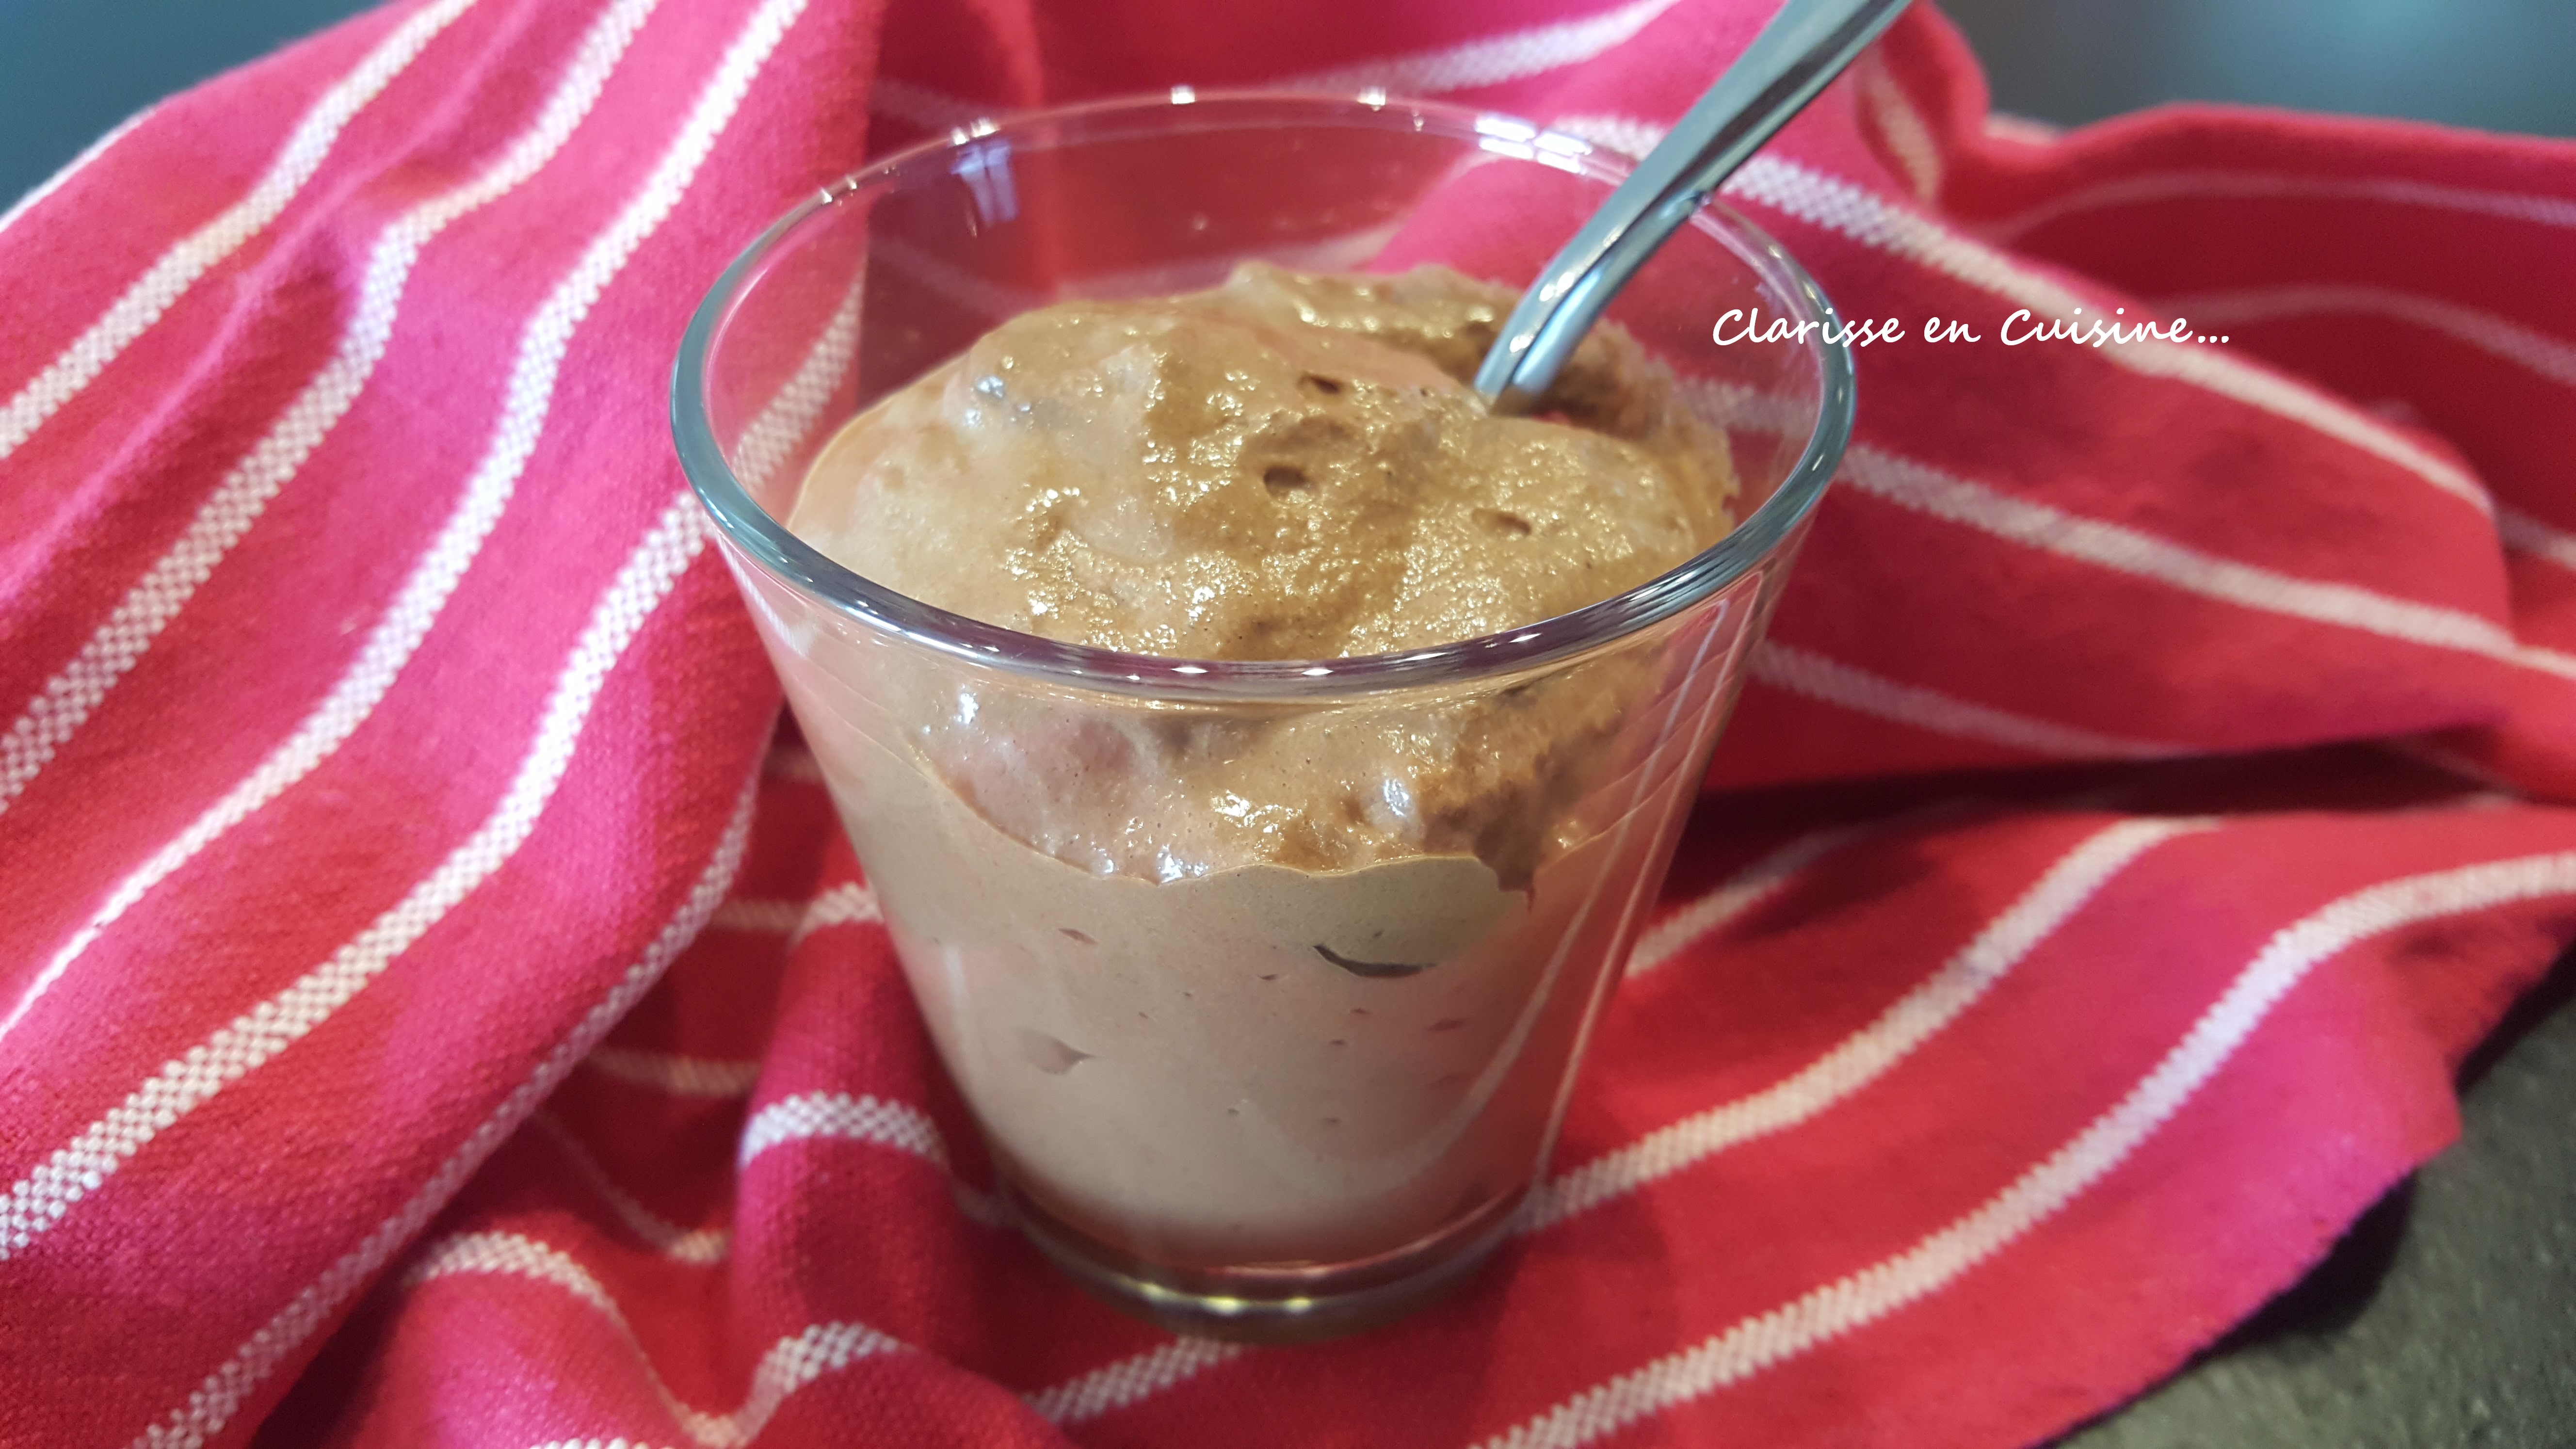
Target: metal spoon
1807,44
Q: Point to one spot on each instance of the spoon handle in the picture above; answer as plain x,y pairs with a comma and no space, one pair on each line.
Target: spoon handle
1807,44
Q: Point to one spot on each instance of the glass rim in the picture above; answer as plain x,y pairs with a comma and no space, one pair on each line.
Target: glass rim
746,525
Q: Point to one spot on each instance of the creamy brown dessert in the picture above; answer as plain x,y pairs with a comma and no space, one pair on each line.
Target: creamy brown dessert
1286,467
1248,985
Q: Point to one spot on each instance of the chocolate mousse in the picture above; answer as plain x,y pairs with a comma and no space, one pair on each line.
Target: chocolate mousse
1264,985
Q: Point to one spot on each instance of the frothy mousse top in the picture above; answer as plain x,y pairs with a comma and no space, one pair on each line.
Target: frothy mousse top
1283,467
1287,466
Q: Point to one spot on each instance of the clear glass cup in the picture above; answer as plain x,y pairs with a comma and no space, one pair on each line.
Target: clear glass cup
1295,1097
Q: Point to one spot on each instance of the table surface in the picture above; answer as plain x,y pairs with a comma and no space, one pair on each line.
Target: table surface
2447,1317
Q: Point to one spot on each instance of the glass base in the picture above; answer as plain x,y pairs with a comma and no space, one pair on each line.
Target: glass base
1269,1305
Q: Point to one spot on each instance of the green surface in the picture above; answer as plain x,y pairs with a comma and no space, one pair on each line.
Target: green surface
2500,65
70,70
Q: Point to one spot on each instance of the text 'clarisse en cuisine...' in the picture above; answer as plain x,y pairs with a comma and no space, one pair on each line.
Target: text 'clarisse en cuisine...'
1750,325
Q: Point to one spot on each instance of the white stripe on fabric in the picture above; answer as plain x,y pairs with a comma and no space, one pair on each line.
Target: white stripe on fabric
898,1125
1078,1400
2196,185
1782,665
215,1401
1841,207
157,290
2116,546
1805,672
759,917
2423,750
435,576
839,1116
593,1444
1131,1379
1747,888
789,1365
1853,212
2526,534
1900,126
1490,61
75,166
2494,797
41,1198
678,1075
947,280
846,904
928,109
1626,135
2028,132
73,695
773,437
697,1246
1762,880
1873,1293
1868,1054
2548,356
2127,550
943,278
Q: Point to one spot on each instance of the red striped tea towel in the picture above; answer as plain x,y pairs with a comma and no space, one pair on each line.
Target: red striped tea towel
431,1011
